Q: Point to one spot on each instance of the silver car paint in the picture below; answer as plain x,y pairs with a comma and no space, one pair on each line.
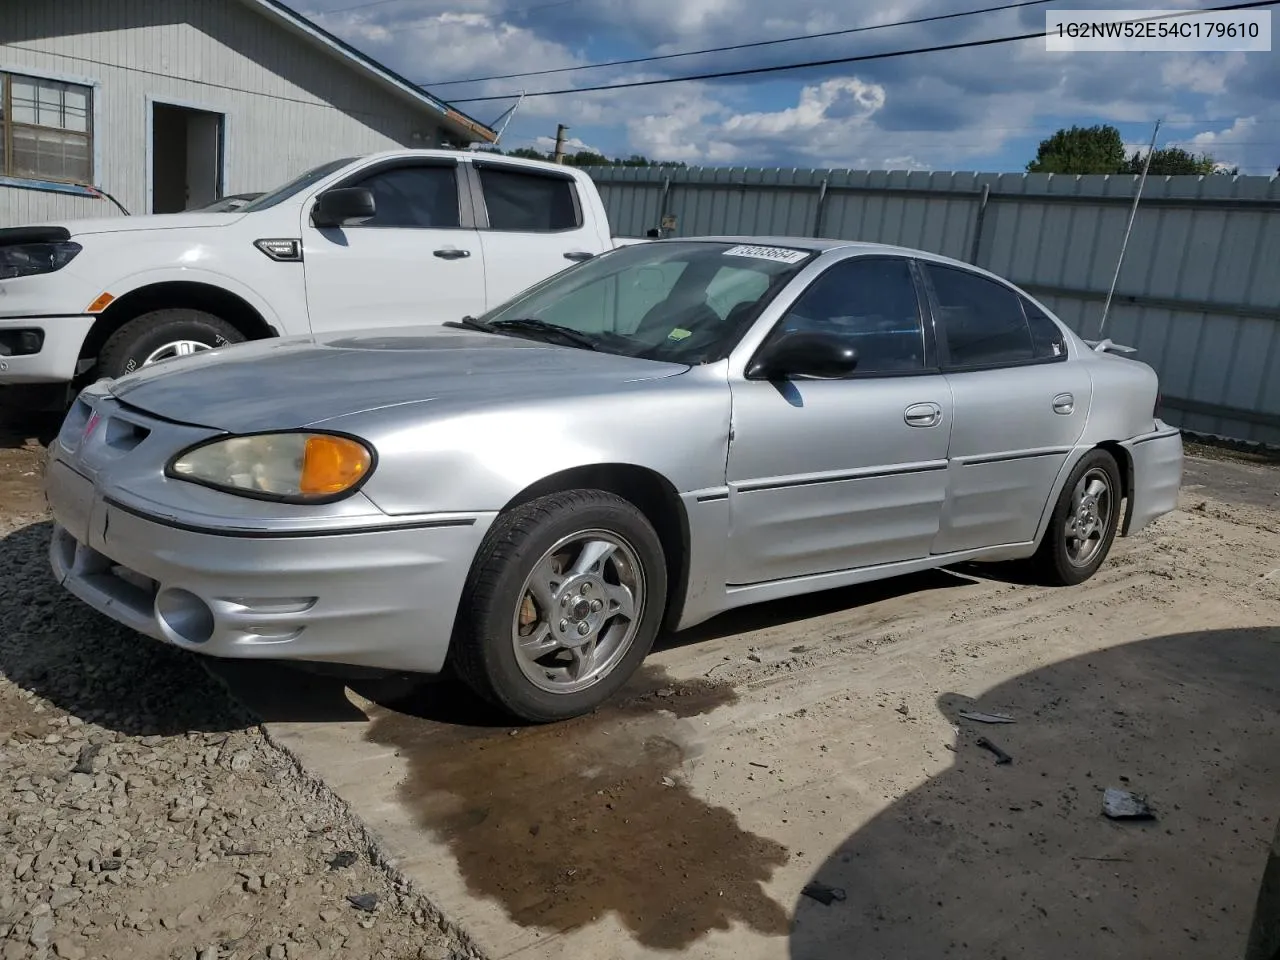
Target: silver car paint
775,505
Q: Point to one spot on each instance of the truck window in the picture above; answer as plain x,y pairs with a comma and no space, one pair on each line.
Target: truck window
416,196
528,202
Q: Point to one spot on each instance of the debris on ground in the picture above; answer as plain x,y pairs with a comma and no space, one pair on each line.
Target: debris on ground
903,709
1120,804
1001,756
368,902
824,894
987,717
341,859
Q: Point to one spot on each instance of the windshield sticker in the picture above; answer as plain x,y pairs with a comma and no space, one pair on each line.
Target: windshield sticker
679,333
778,254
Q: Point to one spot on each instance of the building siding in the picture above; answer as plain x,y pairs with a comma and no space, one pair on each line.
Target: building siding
288,106
1198,295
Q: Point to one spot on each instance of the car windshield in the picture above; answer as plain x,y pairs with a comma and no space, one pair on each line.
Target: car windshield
300,182
677,301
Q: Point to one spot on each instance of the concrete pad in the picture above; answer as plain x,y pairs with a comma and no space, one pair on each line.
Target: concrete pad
819,739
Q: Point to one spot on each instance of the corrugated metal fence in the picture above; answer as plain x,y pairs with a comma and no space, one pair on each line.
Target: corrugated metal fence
1199,293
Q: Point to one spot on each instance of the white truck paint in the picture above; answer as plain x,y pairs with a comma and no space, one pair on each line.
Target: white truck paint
451,233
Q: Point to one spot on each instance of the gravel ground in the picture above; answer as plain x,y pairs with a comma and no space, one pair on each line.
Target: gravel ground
155,819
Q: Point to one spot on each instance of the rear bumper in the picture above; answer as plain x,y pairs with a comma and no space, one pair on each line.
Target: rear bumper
382,598
1157,475
55,359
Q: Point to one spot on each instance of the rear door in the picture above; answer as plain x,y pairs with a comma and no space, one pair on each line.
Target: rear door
1020,406
417,260
533,223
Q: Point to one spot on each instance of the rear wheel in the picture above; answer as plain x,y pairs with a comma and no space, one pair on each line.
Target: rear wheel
1083,525
161,335
562,605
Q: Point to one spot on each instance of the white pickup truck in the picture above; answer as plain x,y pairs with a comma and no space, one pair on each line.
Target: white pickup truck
405,236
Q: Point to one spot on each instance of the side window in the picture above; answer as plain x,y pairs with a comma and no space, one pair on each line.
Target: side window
1047,339
872,301
527,202
425,196
982,321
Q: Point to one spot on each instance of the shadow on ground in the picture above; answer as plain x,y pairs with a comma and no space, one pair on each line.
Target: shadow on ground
1016,860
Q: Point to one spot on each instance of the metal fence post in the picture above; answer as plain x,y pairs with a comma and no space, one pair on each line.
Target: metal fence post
662,203
818,211
977,224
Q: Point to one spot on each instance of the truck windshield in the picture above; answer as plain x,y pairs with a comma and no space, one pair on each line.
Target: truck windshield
300,182
674,300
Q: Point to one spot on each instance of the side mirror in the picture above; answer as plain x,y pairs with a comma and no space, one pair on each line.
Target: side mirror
342,207
804,354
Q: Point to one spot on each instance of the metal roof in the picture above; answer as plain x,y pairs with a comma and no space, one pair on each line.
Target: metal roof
299,25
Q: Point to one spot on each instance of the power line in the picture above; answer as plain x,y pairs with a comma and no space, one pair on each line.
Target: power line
861,58
742,46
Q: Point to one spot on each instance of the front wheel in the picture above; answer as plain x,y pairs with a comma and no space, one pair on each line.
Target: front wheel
162,335
562,605
1083,524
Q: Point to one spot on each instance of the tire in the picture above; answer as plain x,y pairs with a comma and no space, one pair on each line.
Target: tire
129,348
1055,562
497,605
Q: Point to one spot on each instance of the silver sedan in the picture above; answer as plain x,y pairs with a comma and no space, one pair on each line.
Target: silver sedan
639,443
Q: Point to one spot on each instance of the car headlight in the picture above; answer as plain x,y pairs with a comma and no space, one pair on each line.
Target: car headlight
29,259
293,467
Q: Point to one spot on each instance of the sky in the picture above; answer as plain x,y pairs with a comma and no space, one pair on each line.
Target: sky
980,109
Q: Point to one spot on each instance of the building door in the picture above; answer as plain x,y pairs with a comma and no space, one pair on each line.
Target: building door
186,157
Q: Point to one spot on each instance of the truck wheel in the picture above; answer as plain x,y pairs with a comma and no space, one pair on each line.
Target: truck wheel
1083,524
160,335
561,606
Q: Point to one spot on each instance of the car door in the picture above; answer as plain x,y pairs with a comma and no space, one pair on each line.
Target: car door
532,225
1020,406
828,475
418,259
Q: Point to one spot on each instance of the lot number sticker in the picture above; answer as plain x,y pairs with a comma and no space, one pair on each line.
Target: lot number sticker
778,254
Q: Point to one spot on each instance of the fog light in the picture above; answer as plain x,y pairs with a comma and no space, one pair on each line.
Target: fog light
185,615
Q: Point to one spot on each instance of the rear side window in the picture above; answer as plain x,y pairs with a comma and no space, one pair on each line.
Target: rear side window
1047,339
425,196
982,321
528,202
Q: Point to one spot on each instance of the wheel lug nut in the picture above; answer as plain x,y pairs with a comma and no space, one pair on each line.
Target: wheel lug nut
584,629
596,606
586,587
564,625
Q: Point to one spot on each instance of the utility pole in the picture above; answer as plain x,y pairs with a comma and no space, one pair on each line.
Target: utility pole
560,129
1133,212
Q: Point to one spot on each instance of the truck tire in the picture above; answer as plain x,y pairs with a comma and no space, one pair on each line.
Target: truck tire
160,335
594,559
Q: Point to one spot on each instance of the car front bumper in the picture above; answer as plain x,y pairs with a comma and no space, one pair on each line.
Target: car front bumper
55,359
383,598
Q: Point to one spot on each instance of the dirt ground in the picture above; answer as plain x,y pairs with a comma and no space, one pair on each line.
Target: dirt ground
761,761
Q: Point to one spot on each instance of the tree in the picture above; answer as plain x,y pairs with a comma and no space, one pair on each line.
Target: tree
1097,149
1173,162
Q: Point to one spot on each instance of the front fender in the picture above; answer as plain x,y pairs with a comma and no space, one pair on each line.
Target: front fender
214,278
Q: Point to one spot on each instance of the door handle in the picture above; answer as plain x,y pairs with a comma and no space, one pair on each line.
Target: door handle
1065,404
578,255
923,415
452,253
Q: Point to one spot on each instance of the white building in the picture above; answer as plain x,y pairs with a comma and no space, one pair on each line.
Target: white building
166,105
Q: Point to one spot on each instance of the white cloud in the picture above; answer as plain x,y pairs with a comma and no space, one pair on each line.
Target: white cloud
817,105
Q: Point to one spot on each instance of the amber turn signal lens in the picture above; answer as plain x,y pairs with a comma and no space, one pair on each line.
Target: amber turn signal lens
331,465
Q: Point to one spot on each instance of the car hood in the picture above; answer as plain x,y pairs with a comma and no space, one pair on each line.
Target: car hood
158,221
300,381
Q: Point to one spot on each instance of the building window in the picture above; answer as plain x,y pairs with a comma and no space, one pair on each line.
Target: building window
47,129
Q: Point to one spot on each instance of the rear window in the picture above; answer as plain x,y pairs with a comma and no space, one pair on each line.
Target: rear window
528,202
